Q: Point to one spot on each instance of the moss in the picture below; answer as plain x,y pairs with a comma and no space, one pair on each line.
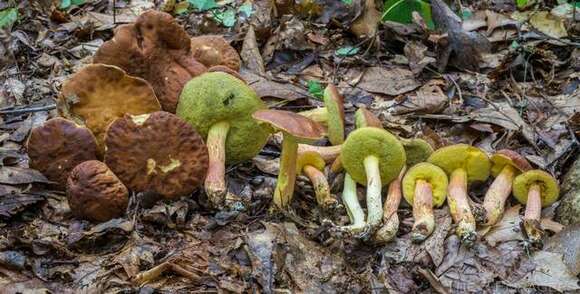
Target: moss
569,210
429,173
417,150
548,186
472,159
216,97
377,142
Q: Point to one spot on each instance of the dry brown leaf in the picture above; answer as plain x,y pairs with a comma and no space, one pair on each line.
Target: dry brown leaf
250,53
393,81
428,99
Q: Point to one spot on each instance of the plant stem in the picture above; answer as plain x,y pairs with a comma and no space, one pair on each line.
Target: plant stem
321,188
422,212
215,183
497,194
459,206
374,201
390,218
287,175
353,208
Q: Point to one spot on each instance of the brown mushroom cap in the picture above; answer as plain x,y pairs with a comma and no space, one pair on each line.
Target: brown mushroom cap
98,94
157,49
59,145
298,126
365,118
95,193
212,50
157,152
507,157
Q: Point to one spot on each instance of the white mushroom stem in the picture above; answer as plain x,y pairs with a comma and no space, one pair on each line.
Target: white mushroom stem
459,206
390,218
319,115
215,183
287,174
422,211
374,201
353,208
497,195
320,185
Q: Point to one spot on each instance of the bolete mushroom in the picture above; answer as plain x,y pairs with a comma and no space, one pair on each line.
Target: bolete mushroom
157,49
220,107
214,50
95,193
464,164
373,157
417,150
365,118
424,187
98,94
506,164
328,153
57,146
295,128
157,152
355,213
311,164
332,114
535,189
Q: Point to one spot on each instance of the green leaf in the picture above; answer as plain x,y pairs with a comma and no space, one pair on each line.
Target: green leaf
246,10
8,16
315,88
347,2
347,51
402,11
64,4
226,18
521,3
203,5
181,7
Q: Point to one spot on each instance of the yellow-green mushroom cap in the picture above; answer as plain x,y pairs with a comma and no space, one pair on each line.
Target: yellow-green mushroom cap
549,189
309,158
429,173
507,157
472,159
334,103
417,150
216,97
365,118
370,141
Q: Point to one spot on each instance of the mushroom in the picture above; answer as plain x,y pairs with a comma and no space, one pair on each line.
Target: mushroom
328,153
506,164
98,94
424,186
464,164
535,189
365,118
95,193
332,114
373,157
220,107
295,128
214,50
355,213
312,165
157,49
57,146
157,152
417,150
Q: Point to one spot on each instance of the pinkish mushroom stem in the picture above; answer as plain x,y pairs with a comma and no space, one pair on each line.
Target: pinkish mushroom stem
533,214
459,206
423,211
374,201
287,175
215,183
497,195
319,114
320,185
390,218
328,153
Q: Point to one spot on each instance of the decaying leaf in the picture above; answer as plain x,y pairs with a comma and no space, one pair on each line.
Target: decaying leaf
394,81
427,99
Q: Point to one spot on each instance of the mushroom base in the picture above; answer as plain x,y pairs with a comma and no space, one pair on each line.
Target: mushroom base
321,188
422,212
215,183
287,175
459,206
497,194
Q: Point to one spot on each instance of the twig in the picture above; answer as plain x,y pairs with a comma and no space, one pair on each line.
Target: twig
27,110
435,283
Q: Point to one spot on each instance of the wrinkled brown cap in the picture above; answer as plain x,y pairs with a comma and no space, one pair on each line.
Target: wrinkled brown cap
508,157
95,193
98,94
291,123
156,49
157,152
59,145
212,50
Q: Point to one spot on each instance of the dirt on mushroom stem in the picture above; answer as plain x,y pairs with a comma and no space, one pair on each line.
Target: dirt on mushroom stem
459,206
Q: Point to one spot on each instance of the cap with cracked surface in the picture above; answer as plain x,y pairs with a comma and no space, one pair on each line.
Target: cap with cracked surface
334,103
508,157
549,190
212,50
59,145
157,49
95,193
370,141
98,94
365,118
157,152
293,124
431,174
472,159
309,158
417,150
219,97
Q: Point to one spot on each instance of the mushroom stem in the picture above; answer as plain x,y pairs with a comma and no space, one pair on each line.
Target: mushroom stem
496,196
374,201
328,153
287,175
215,183
422,212
533,214
355,212
459,206
320,184
336,166
390,218
319,115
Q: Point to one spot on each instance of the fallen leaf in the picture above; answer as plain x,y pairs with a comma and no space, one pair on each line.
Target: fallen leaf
267,88
366,24
549,24
567,243
394,81
507,229
415,53
550,271
250,53
13,204
18,175
427,99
